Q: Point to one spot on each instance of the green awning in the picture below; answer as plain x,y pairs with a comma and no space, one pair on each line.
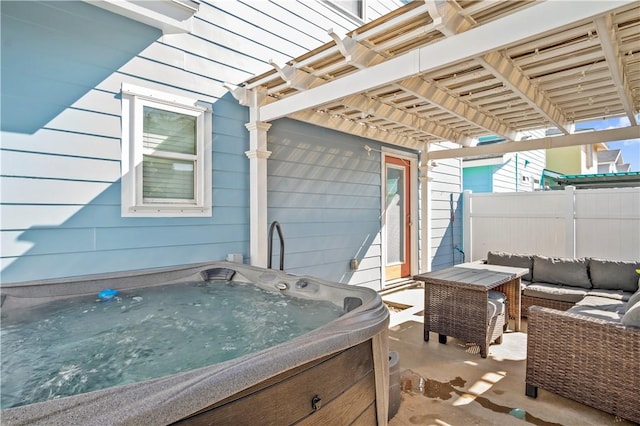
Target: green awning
554,180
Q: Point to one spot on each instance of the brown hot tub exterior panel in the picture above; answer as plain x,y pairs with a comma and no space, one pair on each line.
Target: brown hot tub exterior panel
336,389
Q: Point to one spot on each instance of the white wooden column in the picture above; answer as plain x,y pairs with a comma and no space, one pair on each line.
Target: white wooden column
258,155
425,211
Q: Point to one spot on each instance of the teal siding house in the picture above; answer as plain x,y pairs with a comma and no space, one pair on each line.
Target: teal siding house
510,172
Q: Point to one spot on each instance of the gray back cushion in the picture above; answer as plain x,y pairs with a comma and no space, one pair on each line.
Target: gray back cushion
560,270
614,275
510,259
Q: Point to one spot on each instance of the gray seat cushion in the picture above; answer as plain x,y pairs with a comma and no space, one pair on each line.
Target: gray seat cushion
510,259
496,303
560,270
614,275
555,292
497,296
604,303
600,307
611,294
494,307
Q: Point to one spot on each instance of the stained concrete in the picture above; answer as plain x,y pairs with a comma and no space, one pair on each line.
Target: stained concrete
452,385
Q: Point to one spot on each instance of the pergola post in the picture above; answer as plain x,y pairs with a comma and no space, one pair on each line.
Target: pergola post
426,170
258,156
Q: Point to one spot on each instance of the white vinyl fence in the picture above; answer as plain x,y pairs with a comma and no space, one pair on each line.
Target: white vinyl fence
602,223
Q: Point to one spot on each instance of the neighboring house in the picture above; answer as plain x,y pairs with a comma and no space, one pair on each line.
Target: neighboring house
551,169
509,172
586,166
610,161
87,90
575,160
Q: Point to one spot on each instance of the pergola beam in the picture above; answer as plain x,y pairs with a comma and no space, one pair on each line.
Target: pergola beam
448,19
604,26
476,42
583,138
517,82
356,128
395,115
435,95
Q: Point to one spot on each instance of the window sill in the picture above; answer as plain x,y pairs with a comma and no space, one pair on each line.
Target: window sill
167,211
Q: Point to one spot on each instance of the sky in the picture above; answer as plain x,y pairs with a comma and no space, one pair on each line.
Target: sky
630,148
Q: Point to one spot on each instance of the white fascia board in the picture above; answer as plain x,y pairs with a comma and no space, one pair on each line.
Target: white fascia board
171,16
532,21
586,138
496,160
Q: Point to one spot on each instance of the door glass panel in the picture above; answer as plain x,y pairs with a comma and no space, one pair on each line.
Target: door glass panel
395,214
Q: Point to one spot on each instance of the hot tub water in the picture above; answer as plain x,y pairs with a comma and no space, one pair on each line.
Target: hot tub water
79,345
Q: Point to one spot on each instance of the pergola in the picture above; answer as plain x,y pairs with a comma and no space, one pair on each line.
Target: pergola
453,71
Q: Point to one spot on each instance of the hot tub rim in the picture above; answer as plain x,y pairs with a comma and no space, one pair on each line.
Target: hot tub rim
136,402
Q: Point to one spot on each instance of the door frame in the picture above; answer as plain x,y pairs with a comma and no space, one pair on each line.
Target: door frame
413,205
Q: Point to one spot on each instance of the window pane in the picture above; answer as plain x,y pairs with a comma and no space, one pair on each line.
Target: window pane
167,179
353,6
169,131
395,215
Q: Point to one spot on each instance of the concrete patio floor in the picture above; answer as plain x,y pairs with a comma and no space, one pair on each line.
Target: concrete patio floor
452,385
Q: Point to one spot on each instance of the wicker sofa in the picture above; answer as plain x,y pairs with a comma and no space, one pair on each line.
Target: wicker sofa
583,341
560,283
590,360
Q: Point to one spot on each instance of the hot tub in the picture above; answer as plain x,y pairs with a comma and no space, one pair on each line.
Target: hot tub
336,373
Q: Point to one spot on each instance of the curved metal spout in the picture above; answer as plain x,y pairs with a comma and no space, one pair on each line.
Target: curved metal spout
276,225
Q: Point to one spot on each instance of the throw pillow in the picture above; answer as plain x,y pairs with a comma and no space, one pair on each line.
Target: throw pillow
631,318
561,270
633,300
614,274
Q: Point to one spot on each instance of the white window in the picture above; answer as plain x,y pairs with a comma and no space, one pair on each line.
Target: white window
354,7
166,154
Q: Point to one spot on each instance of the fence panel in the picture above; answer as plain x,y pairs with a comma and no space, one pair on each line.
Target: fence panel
597,222
608,223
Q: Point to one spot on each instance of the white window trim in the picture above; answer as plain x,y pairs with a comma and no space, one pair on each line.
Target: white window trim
134,98
359,20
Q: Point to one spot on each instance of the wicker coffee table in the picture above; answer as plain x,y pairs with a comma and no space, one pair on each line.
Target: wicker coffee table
455,300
